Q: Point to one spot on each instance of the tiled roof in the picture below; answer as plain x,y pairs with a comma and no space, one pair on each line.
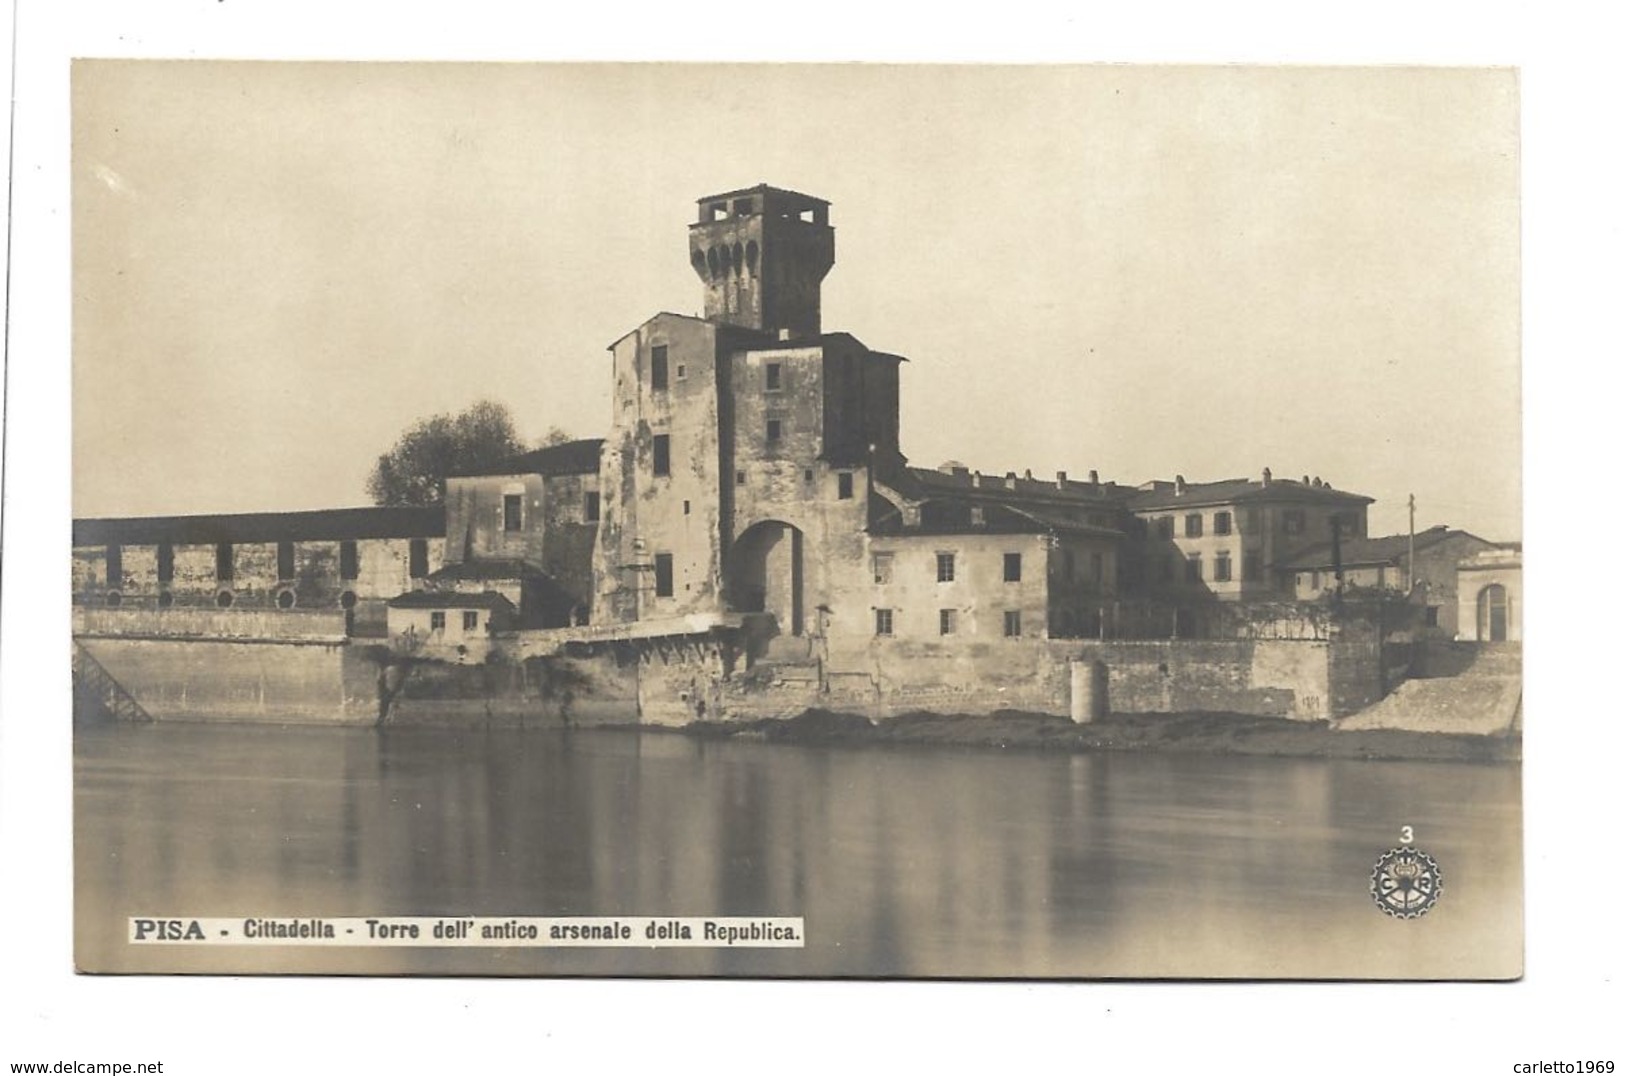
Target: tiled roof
1238,490
954,516
485,569
918,483
332,524
450,599
763,188
571,457
1359,551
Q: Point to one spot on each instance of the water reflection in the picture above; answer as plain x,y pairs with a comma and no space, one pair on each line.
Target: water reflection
919,862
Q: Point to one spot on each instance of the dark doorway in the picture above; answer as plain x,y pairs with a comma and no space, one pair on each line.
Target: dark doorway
765,574
1492,614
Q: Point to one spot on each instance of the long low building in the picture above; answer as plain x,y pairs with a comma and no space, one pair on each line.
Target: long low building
349,559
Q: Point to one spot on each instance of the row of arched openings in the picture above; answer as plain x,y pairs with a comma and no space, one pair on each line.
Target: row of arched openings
723,259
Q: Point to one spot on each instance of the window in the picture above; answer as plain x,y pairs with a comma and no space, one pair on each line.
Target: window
1012,623
883,567
1252,567
882,621
662,454
1221,568
222,562
437,620
349,560
1193,525
775,431
285,599
471,620
166,563
284,560
686,508
591,508
1433,616
1012,567
657,367
1193,570
115,566
510,511
417,558
1165,527
739,478
1097,567
807,475
682,371
663,582
945,567
843,485
947,621
1292,521
1221,522
775,376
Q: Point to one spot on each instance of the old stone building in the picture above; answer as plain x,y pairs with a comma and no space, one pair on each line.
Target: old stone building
1227,540
525,528
744,446
754,469
1386,564
1489,591
349,559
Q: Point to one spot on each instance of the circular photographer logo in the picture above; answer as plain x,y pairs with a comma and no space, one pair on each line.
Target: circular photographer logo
1406,882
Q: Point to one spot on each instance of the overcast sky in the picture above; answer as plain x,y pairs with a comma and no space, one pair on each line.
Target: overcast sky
1145,271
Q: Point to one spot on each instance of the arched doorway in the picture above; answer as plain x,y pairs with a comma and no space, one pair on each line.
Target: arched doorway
1492,614
765,574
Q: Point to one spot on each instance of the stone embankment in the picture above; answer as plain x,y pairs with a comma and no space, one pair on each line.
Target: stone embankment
1473,689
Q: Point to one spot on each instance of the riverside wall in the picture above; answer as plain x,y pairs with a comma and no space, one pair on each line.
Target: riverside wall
223,680
316,682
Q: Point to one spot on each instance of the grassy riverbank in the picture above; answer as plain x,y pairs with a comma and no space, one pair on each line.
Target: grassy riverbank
1233,734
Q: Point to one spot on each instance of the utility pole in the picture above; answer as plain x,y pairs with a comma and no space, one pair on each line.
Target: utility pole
1410,552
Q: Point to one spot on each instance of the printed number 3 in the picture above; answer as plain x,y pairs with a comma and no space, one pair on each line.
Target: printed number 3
1406,835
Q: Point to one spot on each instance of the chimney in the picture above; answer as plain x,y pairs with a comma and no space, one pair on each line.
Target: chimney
1266,477
976,479
1060,479
1094,477
1306,480
1009,480
1028,475
1179,485
784,334
1317,482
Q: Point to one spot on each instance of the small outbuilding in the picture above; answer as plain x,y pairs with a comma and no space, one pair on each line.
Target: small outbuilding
1490,589
446,623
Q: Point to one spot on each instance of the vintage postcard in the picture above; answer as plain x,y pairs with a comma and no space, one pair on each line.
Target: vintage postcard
778,521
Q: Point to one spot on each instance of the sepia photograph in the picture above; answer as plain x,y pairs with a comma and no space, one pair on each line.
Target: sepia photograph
513,537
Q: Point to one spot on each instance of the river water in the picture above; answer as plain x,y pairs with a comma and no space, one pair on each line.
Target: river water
929,861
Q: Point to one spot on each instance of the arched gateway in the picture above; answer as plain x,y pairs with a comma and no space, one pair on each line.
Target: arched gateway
764,574
1492,613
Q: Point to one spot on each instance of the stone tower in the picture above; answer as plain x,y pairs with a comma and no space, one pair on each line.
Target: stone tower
763,254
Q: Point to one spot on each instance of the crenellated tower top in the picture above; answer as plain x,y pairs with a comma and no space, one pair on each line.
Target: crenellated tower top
763,253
